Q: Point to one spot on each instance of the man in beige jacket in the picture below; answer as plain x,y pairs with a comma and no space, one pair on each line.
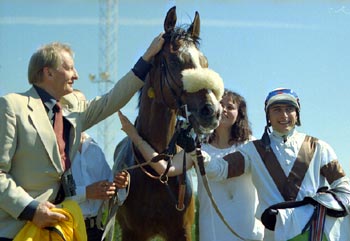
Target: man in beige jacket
31,166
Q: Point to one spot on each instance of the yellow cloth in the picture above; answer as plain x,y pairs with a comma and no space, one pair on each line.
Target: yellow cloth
71,230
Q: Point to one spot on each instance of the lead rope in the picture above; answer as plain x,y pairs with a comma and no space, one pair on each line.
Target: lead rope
182,186
112,208
200,161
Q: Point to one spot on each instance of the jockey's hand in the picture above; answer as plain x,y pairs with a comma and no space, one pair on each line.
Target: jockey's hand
186,141
268,218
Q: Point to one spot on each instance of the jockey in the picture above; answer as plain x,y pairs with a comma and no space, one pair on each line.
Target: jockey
303,191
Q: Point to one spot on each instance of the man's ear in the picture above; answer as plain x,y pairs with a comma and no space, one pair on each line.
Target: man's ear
47,71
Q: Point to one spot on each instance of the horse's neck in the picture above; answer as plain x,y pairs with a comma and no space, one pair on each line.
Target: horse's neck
156,124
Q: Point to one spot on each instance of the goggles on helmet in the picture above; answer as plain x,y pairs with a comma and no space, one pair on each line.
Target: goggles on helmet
282,95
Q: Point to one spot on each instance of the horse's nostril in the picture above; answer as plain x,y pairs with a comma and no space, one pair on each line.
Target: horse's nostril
207,110
218,115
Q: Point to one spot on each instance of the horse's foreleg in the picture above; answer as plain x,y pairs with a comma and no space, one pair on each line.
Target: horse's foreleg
182,230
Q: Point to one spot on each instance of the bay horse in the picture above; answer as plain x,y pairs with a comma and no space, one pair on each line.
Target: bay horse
179,77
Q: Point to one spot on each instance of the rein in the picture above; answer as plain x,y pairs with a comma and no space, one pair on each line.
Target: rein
167,155
170,152
200,162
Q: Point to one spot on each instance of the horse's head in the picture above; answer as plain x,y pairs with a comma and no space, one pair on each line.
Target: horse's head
181,79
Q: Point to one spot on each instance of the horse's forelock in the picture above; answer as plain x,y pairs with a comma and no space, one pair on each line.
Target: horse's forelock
203,78
180,33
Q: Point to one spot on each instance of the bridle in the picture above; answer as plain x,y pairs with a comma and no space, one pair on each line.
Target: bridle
167,80
167,155
182,124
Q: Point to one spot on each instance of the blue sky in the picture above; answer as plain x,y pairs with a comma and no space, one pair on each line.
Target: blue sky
255,46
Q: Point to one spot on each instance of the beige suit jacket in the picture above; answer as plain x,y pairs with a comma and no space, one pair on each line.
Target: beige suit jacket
30,166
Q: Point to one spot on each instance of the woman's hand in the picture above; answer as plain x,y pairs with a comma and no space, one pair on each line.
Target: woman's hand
129,128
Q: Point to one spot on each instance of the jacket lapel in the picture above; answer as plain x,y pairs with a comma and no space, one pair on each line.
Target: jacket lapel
41,122
73,141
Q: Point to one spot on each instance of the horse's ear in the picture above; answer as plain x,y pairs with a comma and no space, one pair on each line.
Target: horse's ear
170,20
195,27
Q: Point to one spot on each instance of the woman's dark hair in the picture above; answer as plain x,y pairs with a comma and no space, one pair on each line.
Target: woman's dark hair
241,130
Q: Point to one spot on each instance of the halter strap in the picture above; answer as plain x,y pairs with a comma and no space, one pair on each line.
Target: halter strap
165,71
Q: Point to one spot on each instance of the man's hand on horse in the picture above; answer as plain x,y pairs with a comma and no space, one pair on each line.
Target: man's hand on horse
154,48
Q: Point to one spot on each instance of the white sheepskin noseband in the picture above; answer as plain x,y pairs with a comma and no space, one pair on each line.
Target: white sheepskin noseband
203,78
